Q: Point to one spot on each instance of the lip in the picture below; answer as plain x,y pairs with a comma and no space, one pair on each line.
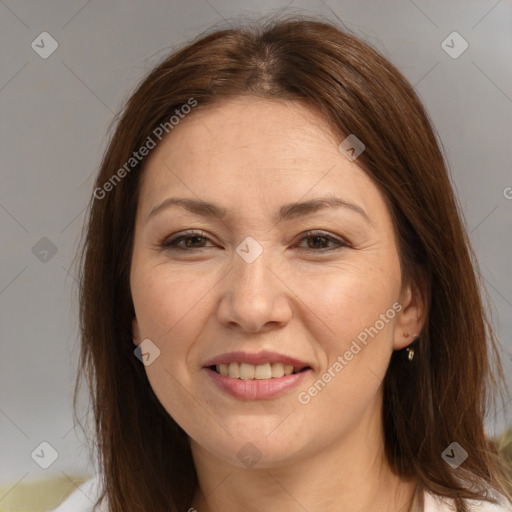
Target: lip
256,389
262,357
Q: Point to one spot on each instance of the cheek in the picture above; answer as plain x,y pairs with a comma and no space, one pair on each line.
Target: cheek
353,328
172,306
166,306
350,298
164,300
353,336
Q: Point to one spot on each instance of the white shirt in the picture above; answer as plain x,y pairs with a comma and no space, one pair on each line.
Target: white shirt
83,498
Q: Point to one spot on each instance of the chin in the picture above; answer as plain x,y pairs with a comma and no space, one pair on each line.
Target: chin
254,449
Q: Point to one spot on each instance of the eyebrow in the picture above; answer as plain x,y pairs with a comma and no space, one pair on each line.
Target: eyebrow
286,212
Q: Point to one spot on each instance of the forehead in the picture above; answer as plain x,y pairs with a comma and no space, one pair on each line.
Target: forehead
250,153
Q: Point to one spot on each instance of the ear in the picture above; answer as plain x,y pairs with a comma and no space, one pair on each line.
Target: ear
135,331
412,316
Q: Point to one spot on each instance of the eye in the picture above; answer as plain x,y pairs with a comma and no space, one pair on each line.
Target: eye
196,239
191,239
321,238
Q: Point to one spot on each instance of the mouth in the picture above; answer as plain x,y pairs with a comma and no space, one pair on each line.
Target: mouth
246,381
265,371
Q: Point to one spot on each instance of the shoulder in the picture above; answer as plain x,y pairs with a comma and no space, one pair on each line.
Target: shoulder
434,503
82,499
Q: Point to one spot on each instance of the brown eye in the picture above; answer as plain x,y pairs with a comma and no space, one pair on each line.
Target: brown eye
188,240
317,241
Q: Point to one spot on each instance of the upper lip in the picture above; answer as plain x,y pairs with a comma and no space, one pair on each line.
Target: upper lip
256,359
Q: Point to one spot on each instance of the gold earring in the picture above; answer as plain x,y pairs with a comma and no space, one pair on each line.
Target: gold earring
410,352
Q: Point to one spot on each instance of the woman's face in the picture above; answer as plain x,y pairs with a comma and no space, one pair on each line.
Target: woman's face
271,284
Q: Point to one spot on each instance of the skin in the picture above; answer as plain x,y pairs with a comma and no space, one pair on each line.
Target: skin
251,156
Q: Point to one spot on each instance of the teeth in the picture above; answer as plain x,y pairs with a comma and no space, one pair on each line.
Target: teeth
234,370
288,369
247,371
277,369
263,371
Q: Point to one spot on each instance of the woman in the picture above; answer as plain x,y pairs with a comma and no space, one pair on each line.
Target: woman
279,307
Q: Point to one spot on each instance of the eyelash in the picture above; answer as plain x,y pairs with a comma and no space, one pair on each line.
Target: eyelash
172,244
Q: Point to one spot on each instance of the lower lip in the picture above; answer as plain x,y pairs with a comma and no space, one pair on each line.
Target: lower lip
256,389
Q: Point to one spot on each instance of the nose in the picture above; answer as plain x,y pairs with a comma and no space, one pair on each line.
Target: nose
255,296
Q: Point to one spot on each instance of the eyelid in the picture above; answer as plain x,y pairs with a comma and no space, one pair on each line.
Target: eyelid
169,242
342,242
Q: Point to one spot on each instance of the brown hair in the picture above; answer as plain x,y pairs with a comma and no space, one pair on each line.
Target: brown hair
440,397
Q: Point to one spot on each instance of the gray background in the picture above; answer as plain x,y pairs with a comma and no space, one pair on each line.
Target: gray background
54,116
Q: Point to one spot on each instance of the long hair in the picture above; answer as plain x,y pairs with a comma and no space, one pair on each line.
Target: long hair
442,396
